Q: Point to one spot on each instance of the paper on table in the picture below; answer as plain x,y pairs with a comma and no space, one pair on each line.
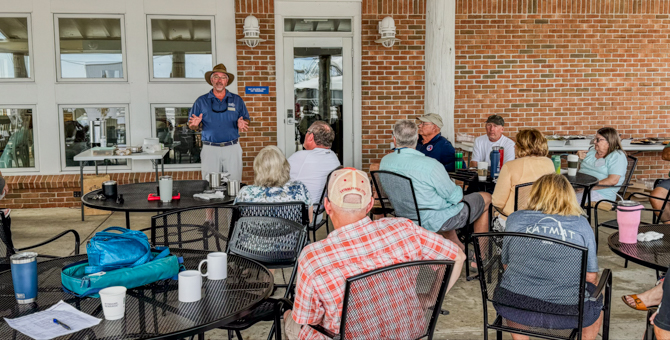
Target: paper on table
40,325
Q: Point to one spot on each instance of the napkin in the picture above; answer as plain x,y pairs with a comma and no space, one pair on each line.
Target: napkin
649,236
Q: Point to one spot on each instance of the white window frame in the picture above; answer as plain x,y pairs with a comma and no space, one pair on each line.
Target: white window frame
153,134
212,21
31,58
36,168
124,59
61,137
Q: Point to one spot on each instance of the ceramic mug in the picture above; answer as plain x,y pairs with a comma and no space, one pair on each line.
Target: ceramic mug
190,286
217,266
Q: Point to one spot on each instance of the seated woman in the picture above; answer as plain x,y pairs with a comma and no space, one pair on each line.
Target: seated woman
605,161
531,162
272,183
554,212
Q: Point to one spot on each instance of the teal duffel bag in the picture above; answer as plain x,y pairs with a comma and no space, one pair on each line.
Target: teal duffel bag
162,266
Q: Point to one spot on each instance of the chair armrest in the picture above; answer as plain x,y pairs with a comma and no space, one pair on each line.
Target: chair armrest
76,241
605,279
325,332
645,195
608,201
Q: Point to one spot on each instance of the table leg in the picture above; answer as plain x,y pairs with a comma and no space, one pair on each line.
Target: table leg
96,167
156,168
162,167
81,186
127,220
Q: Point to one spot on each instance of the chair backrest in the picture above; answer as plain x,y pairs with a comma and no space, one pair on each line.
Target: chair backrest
630,170
531,272
400,192
271,241
320,209
201,228
521,195
401,301
6,246
292,211
382,196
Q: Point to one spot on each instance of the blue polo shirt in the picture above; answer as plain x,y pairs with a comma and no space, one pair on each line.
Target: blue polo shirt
440,149
219,119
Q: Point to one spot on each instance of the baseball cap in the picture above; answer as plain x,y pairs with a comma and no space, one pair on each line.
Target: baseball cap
495,119
432,118
349,181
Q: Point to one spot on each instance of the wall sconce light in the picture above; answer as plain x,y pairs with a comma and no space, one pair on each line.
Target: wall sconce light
252,32
387,31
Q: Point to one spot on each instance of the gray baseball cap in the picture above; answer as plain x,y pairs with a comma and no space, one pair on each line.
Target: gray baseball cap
432,118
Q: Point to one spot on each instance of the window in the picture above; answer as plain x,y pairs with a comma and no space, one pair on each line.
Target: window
90,48
171,129
181,48
16,138
86,127
14,47
317,25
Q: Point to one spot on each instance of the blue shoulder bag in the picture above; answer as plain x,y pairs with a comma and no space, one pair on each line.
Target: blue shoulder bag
109,250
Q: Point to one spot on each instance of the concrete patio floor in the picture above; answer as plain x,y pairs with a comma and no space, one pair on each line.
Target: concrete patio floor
29,226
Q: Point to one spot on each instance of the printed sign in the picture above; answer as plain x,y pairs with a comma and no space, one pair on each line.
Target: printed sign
257,90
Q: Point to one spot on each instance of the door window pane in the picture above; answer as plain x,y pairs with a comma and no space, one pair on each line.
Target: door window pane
16,138
14,48
181,48
90,48
316,99
172,130
86,127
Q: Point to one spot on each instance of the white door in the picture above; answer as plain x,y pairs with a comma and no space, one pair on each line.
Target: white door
303,105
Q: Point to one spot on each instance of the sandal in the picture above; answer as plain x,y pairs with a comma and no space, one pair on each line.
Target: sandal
639,305
472,261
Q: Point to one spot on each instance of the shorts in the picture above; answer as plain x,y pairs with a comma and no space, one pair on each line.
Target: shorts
662,319
665,184
592,309
477,206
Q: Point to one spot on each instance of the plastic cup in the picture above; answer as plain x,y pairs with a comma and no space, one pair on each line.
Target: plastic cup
482,170
113,300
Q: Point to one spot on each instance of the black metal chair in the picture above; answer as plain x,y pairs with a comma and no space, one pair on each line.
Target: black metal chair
386,206
557,261
275,243
200,228
623,188
7,248
401,301
521,196
292,211
400,191
318,210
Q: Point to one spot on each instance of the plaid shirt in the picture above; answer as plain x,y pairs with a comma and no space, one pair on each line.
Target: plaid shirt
354,249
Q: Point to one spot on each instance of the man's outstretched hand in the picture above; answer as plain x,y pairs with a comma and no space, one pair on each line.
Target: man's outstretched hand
194,121
242,124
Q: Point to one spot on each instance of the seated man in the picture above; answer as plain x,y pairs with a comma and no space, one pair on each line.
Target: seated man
312,165
438,197
356,246
494,137
661,191
432,144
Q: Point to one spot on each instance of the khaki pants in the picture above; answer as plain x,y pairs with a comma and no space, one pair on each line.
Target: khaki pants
220,158
291,328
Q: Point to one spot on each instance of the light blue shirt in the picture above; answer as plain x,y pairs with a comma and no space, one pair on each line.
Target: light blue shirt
613,164
437,195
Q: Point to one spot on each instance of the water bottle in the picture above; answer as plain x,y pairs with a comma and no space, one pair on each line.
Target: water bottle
502,157
495,162
459,160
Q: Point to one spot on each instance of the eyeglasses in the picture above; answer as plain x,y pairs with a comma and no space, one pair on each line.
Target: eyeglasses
425,123
599,140
215,78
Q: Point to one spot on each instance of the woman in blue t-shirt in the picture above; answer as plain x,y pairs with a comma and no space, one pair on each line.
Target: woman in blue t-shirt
552,211
605,161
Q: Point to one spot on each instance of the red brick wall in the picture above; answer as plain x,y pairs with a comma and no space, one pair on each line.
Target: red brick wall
54,191
256,67
565,67
392,78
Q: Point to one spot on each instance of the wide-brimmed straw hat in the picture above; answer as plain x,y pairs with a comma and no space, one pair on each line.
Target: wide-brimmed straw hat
219,68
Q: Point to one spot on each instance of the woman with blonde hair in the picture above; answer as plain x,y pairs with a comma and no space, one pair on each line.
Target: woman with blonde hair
272,180
531,162
552,211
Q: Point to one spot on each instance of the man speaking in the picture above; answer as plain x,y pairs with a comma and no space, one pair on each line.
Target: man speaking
220,115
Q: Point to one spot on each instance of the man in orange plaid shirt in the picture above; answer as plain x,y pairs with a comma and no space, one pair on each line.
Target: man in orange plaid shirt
358,245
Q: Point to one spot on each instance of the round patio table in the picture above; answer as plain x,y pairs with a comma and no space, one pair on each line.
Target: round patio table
582,179
135,198
152,311
653,254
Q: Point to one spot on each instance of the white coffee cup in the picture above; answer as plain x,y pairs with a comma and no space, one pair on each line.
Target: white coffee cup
573,163
482,170
190,286
217,266
113,300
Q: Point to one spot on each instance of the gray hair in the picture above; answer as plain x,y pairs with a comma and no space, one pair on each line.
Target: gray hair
323,134
406,133
271,169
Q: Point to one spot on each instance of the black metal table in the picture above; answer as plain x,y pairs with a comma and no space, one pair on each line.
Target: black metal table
474,184
653,254
152,311
135,198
